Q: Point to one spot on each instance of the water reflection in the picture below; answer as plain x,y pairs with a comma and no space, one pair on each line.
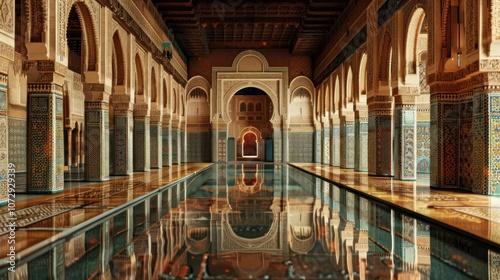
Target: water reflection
266,222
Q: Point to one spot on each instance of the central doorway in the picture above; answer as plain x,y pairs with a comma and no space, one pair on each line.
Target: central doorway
251,111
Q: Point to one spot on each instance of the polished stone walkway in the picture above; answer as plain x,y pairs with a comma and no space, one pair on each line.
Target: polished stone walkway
42,219
477,216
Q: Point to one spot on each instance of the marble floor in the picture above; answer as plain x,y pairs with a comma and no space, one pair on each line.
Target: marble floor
40,220
477,216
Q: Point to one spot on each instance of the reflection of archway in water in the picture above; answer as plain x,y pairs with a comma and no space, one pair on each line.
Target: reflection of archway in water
251,202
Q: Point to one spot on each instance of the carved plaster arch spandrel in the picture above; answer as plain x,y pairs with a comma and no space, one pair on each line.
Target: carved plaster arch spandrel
235,86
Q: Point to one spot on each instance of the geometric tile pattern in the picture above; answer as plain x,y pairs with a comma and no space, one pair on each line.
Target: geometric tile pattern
45,140
347,143
326,145
423,147
96,142
141,143
380,140
278,145
335,145
175,145
301,145
466,156
405,146
317,146
166,145
123,164
155,146
199,146
361,144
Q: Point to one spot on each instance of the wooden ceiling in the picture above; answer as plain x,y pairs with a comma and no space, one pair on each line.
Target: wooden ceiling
200,25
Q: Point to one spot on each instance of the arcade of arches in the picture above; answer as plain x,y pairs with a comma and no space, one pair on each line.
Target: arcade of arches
101,88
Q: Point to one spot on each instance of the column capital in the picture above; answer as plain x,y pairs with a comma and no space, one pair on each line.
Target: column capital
95,92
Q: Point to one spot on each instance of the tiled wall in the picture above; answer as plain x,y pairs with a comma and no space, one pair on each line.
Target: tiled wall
301,146
199,146
17,143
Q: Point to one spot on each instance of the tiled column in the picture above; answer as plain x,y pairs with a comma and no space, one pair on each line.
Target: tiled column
380,136
142,160
45,138
317,148
325,142
445,131
405,138
335,142
176,159
423,136
286,145
347,141
278,143
123,135
167,141
361,142
486,141
96,141
156,140
4,143
183,143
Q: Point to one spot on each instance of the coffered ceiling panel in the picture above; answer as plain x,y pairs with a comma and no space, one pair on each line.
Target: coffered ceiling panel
201,25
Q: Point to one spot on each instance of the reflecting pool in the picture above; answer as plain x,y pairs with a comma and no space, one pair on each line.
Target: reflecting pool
260,221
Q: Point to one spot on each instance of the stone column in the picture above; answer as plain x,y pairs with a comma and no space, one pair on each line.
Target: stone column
278,143
445,127
123,135
347,141
183,143
380,136
325,141
69,147
335,141
156,139
405,138
317,141
219,141
486,141
5,168
176,159
45,130
361,140
96,133
166,141
142,154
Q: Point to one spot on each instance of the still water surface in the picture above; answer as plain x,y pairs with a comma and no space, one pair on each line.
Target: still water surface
263,221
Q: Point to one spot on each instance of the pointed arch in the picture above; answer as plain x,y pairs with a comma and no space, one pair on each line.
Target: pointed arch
119,61
336,95
153,85
139,77
89,39
362,82
415,24
165,94
385,59
349,88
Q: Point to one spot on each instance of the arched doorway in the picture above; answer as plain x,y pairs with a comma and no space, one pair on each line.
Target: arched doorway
250,130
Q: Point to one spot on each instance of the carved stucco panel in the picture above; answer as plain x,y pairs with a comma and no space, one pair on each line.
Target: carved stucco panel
7,15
